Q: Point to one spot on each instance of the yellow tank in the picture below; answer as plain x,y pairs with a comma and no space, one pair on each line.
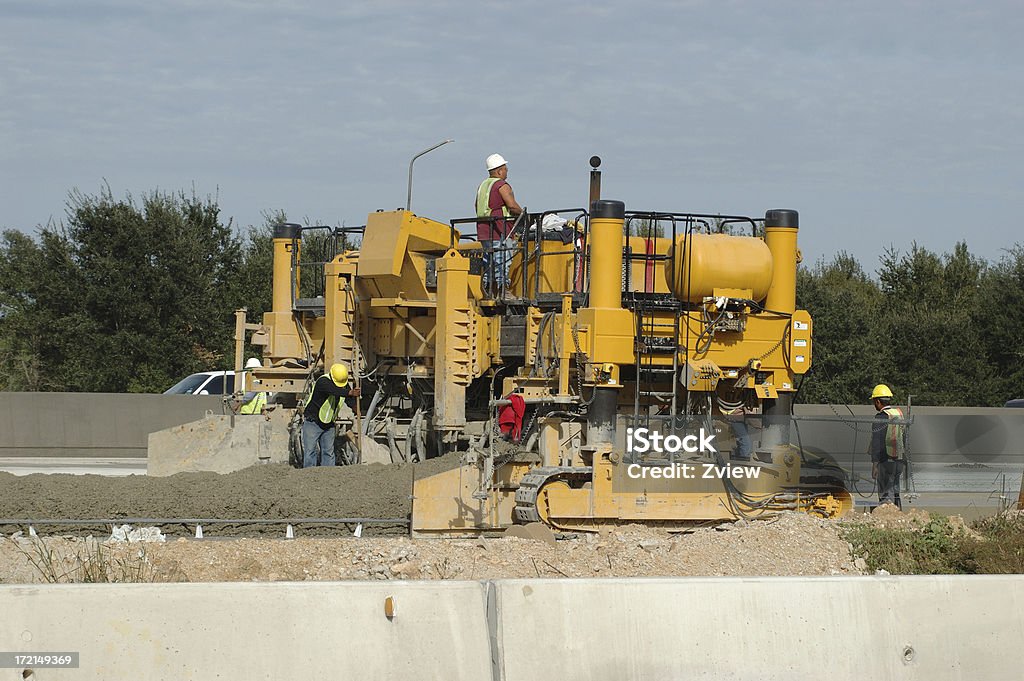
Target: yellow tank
718,261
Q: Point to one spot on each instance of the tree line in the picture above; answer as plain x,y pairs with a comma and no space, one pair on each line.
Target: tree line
130,295
127,295
945,328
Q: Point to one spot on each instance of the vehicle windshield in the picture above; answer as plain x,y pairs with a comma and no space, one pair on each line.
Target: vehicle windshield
187,385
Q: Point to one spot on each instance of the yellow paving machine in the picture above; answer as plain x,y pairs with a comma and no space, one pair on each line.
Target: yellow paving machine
632,366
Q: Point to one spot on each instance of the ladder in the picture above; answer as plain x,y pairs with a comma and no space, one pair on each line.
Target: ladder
656,337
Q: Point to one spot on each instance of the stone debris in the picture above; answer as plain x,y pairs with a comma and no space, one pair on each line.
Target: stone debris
788,544
125,533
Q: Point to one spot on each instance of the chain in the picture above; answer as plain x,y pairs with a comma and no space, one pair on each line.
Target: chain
849,424
776,346
581,361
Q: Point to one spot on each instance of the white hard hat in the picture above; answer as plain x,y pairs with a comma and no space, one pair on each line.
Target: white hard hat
495,161
253,363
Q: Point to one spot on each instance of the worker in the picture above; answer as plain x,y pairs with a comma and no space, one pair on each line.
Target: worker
495,199
320,409
734,411
888,446
254,400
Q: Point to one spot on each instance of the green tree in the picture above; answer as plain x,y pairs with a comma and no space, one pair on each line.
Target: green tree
928,327
123,296
255,274
20,262
999,316
845,305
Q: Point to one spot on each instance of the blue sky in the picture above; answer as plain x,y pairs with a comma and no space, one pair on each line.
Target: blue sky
883,123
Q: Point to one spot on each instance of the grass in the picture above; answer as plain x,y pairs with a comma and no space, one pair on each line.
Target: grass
936,546
92,564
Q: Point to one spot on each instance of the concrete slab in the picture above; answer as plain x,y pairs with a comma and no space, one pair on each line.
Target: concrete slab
927,628
933,628
74,466
247,632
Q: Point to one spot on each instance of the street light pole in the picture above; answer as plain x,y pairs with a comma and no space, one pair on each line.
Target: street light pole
408,200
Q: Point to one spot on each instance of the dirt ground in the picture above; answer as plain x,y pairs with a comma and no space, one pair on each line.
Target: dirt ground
790,544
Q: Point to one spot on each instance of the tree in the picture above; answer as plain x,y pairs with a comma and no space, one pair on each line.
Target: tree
121,297
999,316
928,326
844,304
20,263
255,274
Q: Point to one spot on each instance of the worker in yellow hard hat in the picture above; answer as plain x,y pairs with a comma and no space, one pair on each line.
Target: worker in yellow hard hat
319,412
888,446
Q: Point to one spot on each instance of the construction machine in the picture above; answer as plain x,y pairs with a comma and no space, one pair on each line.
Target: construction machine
615,330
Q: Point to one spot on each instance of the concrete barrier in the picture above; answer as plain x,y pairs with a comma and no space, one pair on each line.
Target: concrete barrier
246,632
91,424
939,434
928,628
219,444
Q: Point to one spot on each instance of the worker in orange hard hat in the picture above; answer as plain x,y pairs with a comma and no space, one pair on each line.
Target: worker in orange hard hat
495,199
319,412
888,446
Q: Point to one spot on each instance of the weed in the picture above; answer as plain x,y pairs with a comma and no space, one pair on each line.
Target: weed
929,549
998,547
994,546
93,563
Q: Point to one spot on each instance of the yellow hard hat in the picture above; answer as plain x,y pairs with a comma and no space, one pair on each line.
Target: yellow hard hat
881,390
339,374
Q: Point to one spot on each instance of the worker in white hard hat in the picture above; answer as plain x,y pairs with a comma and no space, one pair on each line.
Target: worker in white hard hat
495,200
888,446
320,408
254,400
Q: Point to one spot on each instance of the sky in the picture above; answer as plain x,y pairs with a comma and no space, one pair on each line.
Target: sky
884,124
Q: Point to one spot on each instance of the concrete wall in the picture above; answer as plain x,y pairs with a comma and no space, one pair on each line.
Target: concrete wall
219,444
969,434
251,631
118,425
927,628
91,424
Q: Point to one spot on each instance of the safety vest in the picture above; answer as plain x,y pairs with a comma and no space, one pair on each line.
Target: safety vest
483,199
328,409
895,434
255,405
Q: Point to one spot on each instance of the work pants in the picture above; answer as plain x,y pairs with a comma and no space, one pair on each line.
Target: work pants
317,441
744,448
495,260
889,482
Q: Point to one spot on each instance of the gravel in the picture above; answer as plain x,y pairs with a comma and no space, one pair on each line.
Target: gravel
789,544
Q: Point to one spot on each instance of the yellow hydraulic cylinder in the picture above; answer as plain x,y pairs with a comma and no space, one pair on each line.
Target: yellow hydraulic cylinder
285,236
607,238
609,326
780,228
